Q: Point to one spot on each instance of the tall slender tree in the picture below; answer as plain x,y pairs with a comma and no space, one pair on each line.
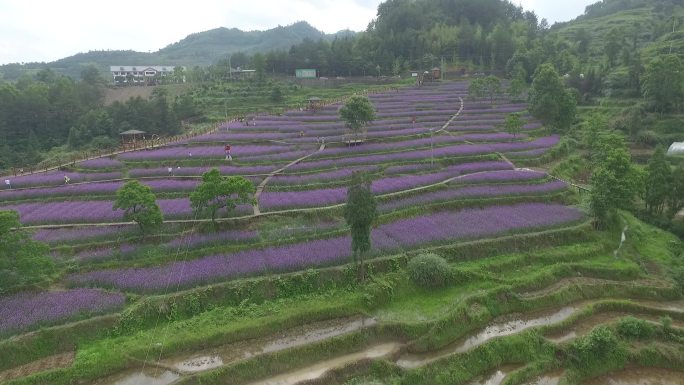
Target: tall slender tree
360,212
657,184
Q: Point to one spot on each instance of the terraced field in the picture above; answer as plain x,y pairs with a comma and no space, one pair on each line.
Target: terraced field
270,296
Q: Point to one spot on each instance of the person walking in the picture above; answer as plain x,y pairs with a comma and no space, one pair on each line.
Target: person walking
66,179
226,149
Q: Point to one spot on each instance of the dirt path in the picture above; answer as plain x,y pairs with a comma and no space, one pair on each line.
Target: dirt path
262,185
48,363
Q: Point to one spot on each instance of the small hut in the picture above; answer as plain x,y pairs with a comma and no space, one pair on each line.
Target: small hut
436,73
132,137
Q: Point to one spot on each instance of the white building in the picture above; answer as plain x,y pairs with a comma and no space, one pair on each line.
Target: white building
141,75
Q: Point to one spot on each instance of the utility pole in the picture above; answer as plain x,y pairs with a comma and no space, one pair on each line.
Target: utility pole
443,69
674,21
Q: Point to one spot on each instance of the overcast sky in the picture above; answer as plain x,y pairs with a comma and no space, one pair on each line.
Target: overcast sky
47,30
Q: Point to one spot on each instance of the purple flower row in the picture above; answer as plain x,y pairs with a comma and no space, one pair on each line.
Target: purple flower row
100,163
185,152
440,152
472,192
440,227
96,211
54,236
56,178
26,310
501,176
331,196
198,171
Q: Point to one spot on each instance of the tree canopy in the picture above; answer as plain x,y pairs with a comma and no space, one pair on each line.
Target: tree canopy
217,192
663,82
357,112
513,124
549,100
139,205
615,181
23,261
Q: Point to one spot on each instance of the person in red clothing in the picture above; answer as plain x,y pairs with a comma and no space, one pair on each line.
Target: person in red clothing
227,151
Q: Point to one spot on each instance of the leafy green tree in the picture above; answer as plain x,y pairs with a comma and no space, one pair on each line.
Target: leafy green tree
23,261
276,94
517,87
139,205
360,212
657,183
492,86
357,112
613,46
476,88
513,124
217,192
663,82
614,180
259,64
549,100
676,193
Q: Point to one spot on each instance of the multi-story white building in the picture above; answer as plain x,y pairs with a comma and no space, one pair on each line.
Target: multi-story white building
142,75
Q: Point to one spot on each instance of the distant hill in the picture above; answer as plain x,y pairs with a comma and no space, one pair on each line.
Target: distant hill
202,48
642,24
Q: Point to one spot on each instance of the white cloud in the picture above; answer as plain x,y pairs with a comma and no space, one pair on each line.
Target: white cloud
48,30
555,11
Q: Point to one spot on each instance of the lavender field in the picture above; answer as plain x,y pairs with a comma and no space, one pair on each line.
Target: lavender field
302,162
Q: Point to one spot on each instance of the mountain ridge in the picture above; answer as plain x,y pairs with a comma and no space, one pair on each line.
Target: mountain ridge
198,48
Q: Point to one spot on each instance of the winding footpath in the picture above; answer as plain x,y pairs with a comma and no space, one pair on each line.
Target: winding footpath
262,185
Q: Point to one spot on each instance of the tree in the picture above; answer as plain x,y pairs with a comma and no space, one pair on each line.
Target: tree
549,100
23,261
217,192
476,88
276,94
259,64
139,205
615,181
663,82
613,46
360,212
513,124
657,184
676,194
492,86
357,112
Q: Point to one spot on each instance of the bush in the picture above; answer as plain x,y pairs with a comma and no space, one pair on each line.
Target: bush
633,328
597,352
429,271
648,138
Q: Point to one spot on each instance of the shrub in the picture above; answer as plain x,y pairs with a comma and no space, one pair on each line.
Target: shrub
648,138
597,352
429,271
630,327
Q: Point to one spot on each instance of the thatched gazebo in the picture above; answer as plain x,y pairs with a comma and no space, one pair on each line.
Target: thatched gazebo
315,103
132,136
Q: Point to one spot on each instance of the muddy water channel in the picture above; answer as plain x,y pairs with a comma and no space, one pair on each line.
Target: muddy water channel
149,376
498,329
299,336
318,370
552,378
169,370
495,378
584,326
640,376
